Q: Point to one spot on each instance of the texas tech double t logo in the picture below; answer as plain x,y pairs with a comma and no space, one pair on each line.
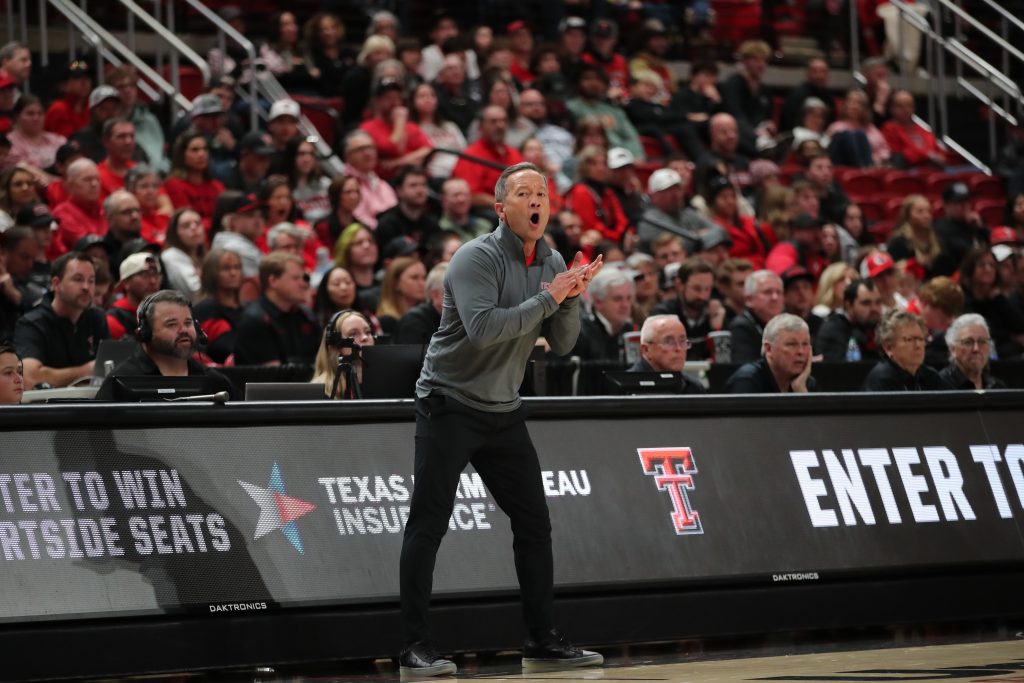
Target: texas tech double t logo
672,469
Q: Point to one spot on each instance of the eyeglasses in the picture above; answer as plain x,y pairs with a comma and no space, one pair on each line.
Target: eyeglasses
971,342
913,340
675,343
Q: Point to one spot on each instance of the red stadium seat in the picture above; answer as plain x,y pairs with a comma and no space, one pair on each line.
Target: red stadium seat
988,187
882,230
892,207
190,80
872,209
992,211
323,114
861,183
936,183
644,169
903,183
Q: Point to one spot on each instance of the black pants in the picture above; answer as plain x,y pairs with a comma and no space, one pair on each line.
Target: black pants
449,436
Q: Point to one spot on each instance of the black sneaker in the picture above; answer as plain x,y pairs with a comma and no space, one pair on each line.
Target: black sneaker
555,651
421,660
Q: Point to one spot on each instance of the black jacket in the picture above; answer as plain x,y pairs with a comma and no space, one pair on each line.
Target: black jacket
141,364
887,376
833,339
756,378
746,332
418,325
696,332
689,383
957,380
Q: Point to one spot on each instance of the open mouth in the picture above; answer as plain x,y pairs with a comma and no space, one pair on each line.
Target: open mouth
535,218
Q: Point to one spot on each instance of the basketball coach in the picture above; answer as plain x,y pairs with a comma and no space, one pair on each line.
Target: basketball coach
502,291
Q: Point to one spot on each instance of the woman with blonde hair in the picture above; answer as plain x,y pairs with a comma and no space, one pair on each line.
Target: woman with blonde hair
831,284
914,240
344,329
404,286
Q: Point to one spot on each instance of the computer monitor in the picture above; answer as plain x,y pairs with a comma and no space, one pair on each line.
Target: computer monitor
113,351
140,388
285,391
391,371
634,383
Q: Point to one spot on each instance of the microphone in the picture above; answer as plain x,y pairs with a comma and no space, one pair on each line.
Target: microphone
219,397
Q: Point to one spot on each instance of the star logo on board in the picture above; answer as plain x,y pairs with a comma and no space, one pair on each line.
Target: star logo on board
277,510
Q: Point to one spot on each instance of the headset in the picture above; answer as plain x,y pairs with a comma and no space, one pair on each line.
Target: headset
332,337
144,332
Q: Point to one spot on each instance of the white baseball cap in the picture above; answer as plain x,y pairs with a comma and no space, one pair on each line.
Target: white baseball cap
620,157
284,108
662,179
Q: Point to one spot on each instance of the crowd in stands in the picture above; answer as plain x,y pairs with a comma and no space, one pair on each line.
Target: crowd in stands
808,223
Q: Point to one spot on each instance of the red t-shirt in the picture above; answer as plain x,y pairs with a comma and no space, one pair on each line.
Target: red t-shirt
55,193
110,181
750,241
64,117
154,227
602,212
380,131
200,197
75,222
482,179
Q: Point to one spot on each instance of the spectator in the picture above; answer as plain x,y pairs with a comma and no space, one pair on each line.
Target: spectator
911,144
18,294
12,375
557,141
877,87
57,340
443,134
492,147
533,152
219,309
572,42
404,287
457,100
455,211
17,191
350,326
855,140
8,95
903,336
286,237
668,212
815,85
764,300
785,365
186,249
242,224
16,61
983,292
939,303
276,202
356,87
283,125
650,113
119,144
600,342
730,279
139,278
969,345
593,200
282,54
663,347
698,102
410,218
383,23
277,329
959,230
31,145
652,57
443,30
254,156
149,134
694,306
667,249
420,322
744,96
499,92
521,41
124,224
376,196
190,184
723,155
357,252
604,34
849,335
749,240
37,216
819,172
104,105
592,84
326,60
71,112
645,282
808,137
833,281
915,241
798,297
81,214
398,141
853,224
802,249
307,182
147,186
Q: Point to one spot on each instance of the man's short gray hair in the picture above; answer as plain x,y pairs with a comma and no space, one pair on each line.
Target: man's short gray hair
753,281
79,166
893,321
959,325
8,50
284,228
113,201
352,135
608,278
783,322
137,173
435,278
640,259
647,330
501,187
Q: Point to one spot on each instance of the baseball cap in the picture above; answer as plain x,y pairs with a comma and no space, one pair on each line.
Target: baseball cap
794,273
662,179
254,142
103,93
78,68
604,28
620,157
68,151
714,237
1004,235
761,169
655,26
398,246
716,185
957,192
206,104
387,83
90,241
284,108
804,221
138,262
243,204
5,80
876,264
517,25
571,23
1001,252
36,215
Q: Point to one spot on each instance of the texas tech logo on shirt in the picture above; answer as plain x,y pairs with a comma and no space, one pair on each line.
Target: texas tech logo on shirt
673,470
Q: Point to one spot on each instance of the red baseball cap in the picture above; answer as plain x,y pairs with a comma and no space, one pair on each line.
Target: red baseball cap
876,264
5,79
1004,235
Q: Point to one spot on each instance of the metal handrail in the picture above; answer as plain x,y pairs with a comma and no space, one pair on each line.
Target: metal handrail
1004,13
984,30
272,90
225,29
91,30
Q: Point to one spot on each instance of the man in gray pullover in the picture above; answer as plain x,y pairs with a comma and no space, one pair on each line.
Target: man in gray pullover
502,291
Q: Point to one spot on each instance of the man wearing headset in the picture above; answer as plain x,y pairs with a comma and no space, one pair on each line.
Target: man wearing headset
168,337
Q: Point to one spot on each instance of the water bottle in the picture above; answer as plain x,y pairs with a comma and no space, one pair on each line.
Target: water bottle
853,351
323,264
108,368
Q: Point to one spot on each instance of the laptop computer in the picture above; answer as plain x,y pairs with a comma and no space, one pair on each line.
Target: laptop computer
114,351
